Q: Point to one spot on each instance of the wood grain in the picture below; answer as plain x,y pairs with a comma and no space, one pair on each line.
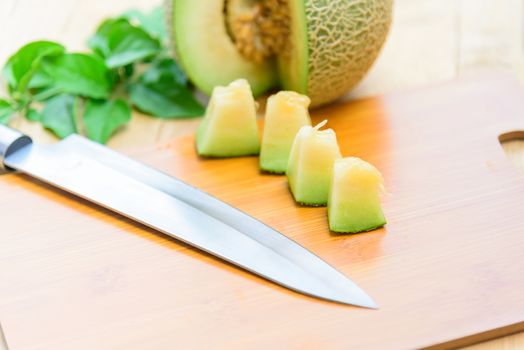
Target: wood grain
447,269
430,41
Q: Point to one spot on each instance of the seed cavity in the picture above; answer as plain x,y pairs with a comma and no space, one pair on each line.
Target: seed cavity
259,28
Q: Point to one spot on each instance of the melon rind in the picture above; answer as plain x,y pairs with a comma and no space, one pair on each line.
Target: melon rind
206,52
229,127
310,166
286,113
354,202
332,46
344,39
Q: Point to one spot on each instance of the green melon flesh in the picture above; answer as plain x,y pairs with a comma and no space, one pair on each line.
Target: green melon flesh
331,45
229,127
286,113
206,52
310,166
354,203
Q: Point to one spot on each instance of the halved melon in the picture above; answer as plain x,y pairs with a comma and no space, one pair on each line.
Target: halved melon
323,48
310,166
286,113
229,127
354,203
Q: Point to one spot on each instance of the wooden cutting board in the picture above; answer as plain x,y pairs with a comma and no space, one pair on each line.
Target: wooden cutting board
447,270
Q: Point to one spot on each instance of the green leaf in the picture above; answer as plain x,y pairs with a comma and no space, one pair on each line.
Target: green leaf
46,93
103,117
6,111
129,70
153,22
20,68
59,115
41,79
33,115
162,92
165,67
120,43
79,74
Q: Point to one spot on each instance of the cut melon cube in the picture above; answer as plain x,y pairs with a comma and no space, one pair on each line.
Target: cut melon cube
354,203
229,127
310,165
286,113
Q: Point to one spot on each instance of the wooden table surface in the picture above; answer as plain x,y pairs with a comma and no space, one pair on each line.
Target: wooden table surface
431,41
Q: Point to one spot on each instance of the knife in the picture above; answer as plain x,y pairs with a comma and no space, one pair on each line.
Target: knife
111,180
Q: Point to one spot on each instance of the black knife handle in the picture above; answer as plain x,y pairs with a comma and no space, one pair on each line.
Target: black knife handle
10,141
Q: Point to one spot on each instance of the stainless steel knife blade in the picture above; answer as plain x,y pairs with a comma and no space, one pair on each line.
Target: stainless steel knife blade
111,180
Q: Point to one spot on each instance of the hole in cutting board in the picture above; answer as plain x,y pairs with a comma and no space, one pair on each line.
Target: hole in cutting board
513,145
